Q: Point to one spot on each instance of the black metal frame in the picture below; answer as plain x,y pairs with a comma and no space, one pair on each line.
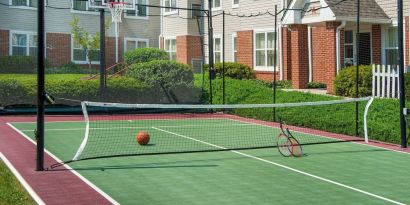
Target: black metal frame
40,86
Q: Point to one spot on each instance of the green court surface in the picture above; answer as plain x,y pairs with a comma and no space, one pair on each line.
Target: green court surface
338,173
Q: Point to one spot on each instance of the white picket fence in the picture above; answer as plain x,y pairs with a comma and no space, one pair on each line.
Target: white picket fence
385,81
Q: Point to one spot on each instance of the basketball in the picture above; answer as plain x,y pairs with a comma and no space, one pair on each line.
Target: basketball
142,138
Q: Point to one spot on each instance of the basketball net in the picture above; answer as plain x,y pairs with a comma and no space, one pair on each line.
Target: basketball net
116,9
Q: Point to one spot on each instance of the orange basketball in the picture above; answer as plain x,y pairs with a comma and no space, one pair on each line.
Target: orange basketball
142,138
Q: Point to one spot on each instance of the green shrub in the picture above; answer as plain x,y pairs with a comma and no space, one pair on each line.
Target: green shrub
345,82
21,89
142,55
314,85
71,68
233,70
19,64
171,77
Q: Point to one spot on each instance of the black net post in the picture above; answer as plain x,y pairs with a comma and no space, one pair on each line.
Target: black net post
275,61
401,73
40,86
102,52
223,57
357,65
210,50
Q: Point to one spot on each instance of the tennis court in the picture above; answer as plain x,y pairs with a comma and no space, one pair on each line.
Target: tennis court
338,173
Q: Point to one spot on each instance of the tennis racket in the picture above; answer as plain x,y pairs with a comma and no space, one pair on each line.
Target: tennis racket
287,144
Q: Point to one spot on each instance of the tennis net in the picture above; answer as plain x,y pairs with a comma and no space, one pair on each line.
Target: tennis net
111,128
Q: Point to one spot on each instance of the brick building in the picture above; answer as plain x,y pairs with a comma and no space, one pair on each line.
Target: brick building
18,30
313,44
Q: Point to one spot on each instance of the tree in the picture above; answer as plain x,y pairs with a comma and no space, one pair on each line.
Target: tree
88,42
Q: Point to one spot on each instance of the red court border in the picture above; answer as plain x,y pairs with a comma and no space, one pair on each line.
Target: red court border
64,187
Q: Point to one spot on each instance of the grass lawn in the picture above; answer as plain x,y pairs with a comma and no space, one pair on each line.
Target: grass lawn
383,118
11,191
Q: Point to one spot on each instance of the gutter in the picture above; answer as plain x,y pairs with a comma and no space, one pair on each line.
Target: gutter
338,65
310,53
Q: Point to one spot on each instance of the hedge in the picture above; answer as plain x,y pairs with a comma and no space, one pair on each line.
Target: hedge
22,90
233,70
383,119
19,64
142,55
345,81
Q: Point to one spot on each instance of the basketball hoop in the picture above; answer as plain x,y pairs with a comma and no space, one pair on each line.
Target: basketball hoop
116,9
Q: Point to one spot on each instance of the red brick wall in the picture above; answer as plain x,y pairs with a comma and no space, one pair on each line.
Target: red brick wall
110,50
287,50
161,42
267,75
376,44
299,56
245,47
58,48
406,43
4,42
324,54
188,48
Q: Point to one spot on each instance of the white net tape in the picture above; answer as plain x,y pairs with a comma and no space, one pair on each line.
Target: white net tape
116,9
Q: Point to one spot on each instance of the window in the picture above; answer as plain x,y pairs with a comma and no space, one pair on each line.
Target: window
349,49
264,50
23,44
80,5
28,3
170,3
134,43
197,65
235,3
234,48
391,48
217,50
196,13
216,4
140,11
171,48
79,55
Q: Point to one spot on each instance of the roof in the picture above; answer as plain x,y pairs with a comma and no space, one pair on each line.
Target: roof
348,8
341,10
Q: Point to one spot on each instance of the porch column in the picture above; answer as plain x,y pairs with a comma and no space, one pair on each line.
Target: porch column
299,56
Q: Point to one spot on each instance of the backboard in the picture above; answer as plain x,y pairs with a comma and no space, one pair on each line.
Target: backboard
103,4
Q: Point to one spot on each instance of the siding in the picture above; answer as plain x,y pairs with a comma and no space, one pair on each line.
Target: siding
234,24
58,21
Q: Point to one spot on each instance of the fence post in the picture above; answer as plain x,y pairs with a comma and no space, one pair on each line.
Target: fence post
383,74
373,80
378,81
394,82
389,75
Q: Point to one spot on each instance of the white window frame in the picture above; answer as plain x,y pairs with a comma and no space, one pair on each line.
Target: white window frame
172,11
80,62
192,7
28,7
220,40
136,40
169,51
265,68
385,32
27,33
235,5
353,44
217,8
87,11
234,35
136,13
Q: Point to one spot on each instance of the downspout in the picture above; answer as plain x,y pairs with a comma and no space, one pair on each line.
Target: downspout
310,53
338,29
280,51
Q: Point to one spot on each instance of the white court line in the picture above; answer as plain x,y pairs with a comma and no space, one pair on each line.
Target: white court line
286,167
85,180
358,143
164,126
22,181
82,121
